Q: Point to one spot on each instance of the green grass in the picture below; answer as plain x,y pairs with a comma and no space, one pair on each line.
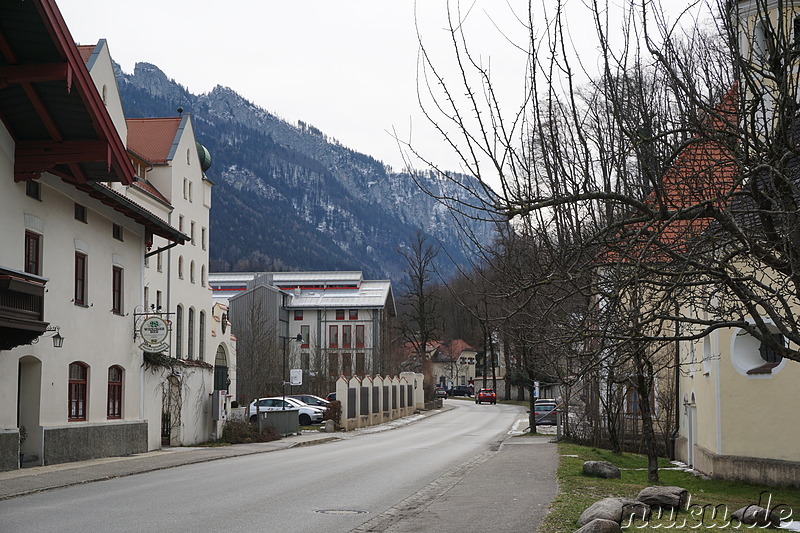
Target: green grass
577,492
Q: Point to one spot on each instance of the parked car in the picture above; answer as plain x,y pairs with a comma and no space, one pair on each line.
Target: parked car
545,411
307,413
439,392
310,399
460,390
486,395
331,397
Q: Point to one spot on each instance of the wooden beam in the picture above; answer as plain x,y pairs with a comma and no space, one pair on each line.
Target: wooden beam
18,74
50,153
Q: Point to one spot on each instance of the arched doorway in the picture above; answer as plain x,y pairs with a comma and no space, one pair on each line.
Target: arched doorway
29,393
221,381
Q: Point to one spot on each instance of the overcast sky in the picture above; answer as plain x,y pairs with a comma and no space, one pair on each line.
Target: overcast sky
347,67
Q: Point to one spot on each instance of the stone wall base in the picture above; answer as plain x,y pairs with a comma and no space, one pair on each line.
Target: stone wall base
9,449
65,444
770,472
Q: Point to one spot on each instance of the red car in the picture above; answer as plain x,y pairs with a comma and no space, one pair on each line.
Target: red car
486,395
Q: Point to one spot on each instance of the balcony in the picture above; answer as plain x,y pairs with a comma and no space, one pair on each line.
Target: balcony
21,308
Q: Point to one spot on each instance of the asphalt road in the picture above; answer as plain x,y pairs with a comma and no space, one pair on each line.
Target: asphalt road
374,481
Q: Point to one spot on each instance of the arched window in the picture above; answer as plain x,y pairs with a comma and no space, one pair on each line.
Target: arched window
180,267
179,332
220,369
104,93
201,340
191,271
114,392
78,380
190,336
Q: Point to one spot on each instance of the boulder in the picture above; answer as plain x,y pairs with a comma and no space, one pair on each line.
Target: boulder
753,514
664,497
614,509
600,525
600,469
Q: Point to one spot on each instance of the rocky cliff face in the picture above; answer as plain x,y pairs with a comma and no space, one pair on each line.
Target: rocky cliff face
287,196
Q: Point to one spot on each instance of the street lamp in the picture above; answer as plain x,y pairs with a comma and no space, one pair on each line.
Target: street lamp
299,338
58,339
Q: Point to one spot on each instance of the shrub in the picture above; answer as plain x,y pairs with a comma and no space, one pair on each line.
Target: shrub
246,432
334,412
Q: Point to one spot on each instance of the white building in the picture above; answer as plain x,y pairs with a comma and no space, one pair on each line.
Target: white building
170,181
342,321
71,255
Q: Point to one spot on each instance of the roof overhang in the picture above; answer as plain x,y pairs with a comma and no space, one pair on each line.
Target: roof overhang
49,103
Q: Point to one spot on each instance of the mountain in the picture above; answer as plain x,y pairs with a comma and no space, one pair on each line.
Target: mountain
287,197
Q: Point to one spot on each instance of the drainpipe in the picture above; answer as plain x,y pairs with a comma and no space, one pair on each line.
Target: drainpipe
674,434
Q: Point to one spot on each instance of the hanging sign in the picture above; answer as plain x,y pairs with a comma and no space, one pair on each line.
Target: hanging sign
296,376
154,331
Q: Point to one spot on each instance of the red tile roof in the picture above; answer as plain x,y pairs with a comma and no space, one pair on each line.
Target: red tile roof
703,174
86,51
151,138
150,189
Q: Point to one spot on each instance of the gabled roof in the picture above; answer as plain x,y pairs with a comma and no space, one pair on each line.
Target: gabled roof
451,350
154,139
49,103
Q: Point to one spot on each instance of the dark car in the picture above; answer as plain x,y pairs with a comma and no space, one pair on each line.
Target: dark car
331,397
460,390
440,393
486,395
546,412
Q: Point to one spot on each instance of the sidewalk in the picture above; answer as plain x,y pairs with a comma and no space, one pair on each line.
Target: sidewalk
40,478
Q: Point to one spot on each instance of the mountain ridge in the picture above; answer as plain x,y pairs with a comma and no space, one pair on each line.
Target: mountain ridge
288,197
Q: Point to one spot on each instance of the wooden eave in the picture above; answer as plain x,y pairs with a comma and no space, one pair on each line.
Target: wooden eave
49,103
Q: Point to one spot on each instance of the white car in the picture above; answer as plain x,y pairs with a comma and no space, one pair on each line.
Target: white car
308,414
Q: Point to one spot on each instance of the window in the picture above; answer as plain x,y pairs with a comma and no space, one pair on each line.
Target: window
353,314
146,298
360,336
185,181
116,290
191,232
298,314
104,95
340,314
33,253
333,336
114,392
191,271
333,364
180,267
305,361
179,332
203,276
633,405
190,192
116,231
347,364
159,262
146,261
346,336
77,391
304,330
33,189
80,279
158,300
190,335
203,238
201,341
768,354
80,213
180,222
360,363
